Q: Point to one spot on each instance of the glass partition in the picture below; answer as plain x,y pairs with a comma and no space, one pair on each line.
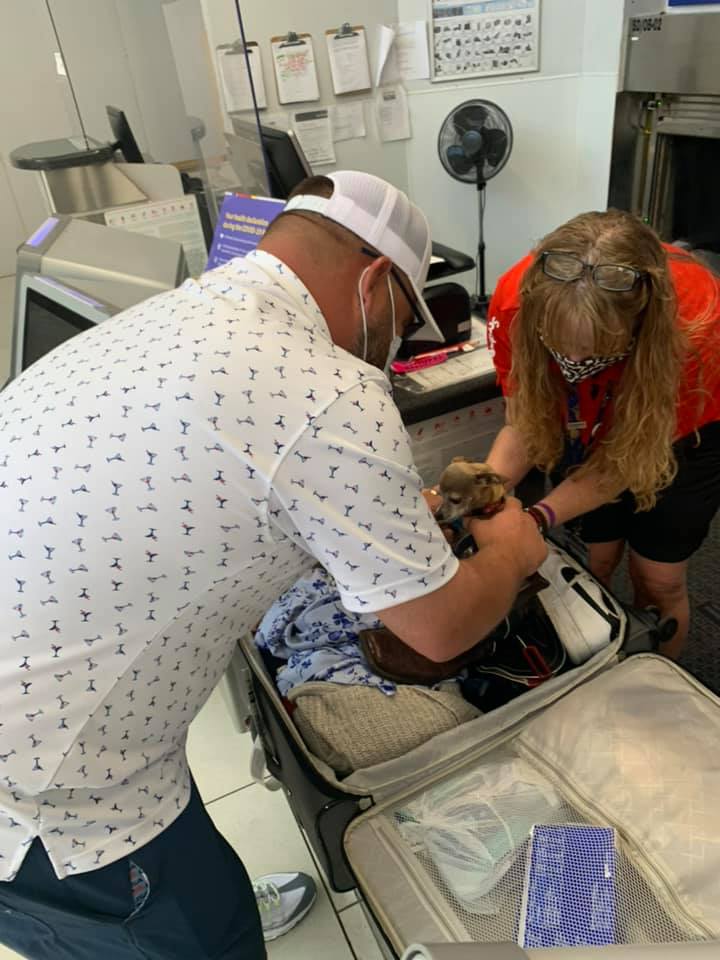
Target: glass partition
155,63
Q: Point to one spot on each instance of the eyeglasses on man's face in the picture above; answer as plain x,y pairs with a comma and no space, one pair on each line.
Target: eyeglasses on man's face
418,321
567,267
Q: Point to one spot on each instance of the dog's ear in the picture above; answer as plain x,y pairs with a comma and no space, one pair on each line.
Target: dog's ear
490,478
461,460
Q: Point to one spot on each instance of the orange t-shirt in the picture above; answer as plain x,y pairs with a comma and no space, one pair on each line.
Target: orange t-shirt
697,290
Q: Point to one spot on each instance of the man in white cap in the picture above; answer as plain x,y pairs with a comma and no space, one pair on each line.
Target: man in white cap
165,476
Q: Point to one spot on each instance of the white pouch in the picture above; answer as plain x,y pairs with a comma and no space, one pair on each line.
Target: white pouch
473,826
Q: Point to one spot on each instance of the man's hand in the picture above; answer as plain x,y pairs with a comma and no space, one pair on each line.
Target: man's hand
512,534
432,498
442,624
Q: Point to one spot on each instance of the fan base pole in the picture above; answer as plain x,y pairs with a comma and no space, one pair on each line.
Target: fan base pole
479,302
479,305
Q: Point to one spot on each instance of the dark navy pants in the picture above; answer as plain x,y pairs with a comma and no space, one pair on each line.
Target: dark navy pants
185,896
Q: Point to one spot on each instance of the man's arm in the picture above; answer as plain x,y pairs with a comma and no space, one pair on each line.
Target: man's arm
443,624
348,493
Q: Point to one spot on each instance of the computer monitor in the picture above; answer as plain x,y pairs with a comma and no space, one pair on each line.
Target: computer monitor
52,312
72,274
123,136
285,161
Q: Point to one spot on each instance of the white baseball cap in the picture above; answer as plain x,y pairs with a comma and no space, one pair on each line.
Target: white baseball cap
387,221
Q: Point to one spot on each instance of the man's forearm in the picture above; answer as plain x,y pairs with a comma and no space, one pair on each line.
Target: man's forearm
480,595
508,456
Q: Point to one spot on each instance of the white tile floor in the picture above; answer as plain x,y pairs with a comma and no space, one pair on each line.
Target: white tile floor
262,829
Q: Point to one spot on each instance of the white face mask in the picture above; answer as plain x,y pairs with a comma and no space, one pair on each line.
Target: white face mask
396,340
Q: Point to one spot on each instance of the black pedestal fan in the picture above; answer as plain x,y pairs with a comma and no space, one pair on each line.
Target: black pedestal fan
474,145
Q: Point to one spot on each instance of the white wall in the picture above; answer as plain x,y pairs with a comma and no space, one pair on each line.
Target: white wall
264,19
562,119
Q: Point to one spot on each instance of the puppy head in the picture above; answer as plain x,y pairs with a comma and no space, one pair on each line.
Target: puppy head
466,486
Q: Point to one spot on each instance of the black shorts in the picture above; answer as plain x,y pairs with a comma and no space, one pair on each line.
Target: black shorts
676,527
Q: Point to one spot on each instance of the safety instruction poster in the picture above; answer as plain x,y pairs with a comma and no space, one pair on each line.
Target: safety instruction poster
484,38
241,225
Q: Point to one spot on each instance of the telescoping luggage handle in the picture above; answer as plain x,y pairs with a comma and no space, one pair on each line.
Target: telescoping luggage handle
510,951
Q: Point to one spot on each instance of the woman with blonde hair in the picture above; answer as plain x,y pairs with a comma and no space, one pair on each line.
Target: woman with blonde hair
607,345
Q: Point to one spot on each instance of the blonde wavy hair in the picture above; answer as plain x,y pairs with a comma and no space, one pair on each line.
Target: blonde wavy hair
580,318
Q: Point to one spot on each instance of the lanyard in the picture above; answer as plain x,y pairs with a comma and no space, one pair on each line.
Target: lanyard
576,450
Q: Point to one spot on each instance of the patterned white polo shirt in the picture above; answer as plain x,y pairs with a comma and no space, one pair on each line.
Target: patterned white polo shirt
163,478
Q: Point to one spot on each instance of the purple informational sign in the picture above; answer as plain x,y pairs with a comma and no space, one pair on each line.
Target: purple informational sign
241,226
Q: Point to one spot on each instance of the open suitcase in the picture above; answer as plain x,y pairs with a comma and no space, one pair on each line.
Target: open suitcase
619,751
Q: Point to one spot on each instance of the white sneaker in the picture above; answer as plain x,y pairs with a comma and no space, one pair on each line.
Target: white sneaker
283,900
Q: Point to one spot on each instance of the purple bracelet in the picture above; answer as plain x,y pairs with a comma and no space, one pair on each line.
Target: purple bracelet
549,511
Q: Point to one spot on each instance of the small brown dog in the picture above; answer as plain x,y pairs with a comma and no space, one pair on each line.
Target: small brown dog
468,487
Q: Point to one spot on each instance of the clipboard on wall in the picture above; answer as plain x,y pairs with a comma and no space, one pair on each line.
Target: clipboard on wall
349,63
295,68
234,79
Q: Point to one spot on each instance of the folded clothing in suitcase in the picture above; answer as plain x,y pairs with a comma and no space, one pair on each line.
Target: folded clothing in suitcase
631,754
355,727
336,692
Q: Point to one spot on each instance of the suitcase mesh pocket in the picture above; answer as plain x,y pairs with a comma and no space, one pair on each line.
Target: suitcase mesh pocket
471,838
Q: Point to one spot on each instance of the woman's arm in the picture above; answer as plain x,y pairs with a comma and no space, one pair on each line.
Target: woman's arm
576,496
508,456
571,498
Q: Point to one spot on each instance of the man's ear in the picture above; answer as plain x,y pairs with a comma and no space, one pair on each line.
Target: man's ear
375,279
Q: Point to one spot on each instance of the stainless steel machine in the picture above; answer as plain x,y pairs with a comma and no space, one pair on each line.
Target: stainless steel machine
666,143
72,275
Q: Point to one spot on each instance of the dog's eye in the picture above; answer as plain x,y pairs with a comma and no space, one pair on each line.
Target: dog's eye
455,499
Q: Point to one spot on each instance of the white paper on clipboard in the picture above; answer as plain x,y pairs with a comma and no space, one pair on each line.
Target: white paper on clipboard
234,78
295,69
349,64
